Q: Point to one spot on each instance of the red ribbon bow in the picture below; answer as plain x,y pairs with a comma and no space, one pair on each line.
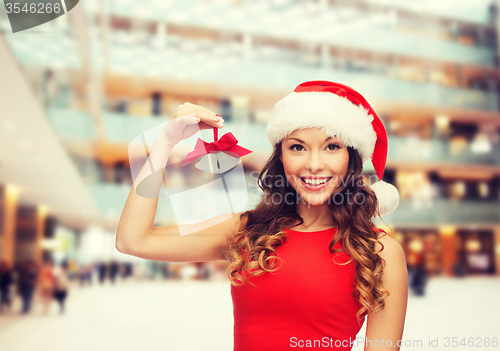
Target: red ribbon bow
227,144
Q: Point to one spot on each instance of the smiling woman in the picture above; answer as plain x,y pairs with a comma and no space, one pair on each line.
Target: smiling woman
331,268
307,263
314,164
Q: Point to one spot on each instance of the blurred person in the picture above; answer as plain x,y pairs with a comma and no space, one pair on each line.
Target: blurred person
156,102
61,285
90,273
85,274
50,88
101,272
127,270
175,271
202,272
6,280
317,265
46,284
114,269
130,269
418,280
82,271
165,270
459,270
26,283
415,264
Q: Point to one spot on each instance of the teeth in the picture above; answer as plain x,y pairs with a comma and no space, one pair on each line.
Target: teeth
315,181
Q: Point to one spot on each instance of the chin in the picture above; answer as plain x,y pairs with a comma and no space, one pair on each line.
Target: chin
314,199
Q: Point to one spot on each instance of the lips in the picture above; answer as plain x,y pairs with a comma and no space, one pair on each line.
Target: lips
313,186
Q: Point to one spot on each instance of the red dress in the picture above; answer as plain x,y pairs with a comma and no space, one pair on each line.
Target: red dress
308,302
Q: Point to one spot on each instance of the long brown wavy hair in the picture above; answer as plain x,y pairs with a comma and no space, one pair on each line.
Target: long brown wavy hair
252,248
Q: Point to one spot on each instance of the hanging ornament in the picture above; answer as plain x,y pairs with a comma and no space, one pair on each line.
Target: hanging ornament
219,156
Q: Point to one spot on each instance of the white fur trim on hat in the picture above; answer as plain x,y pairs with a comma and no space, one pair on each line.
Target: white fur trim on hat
387,196
335,115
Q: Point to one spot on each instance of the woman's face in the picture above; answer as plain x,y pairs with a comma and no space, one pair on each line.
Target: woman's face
315,164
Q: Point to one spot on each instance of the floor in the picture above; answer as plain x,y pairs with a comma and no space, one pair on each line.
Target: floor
193,315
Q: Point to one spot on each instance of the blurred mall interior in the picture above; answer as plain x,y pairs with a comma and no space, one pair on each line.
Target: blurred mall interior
75,91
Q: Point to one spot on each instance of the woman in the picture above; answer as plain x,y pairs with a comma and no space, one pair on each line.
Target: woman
316,264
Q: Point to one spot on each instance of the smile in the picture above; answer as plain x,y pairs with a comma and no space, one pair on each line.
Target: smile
314,184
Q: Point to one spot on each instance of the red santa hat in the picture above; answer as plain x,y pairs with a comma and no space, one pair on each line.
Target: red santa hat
339,111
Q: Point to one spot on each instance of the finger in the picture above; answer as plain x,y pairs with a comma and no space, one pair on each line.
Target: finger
205,115
203,125
209,118
210,112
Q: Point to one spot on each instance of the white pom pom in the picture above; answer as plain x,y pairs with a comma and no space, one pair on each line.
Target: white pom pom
387,196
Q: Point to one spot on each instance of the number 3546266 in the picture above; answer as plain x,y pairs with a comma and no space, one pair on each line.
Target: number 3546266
33,7
470,342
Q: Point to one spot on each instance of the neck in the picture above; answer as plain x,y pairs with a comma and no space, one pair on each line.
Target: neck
318,216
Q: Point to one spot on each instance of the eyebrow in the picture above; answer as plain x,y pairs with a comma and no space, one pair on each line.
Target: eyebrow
303,142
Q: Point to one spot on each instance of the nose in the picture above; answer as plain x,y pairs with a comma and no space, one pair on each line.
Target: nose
314,163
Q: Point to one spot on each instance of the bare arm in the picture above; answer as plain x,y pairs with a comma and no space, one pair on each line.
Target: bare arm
385,327
137,219
166,243
136,234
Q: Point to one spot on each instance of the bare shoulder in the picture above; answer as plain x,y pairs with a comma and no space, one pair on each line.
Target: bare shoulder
395,276
392,250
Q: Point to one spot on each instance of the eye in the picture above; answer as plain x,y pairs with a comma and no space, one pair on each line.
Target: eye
331,145
294,145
